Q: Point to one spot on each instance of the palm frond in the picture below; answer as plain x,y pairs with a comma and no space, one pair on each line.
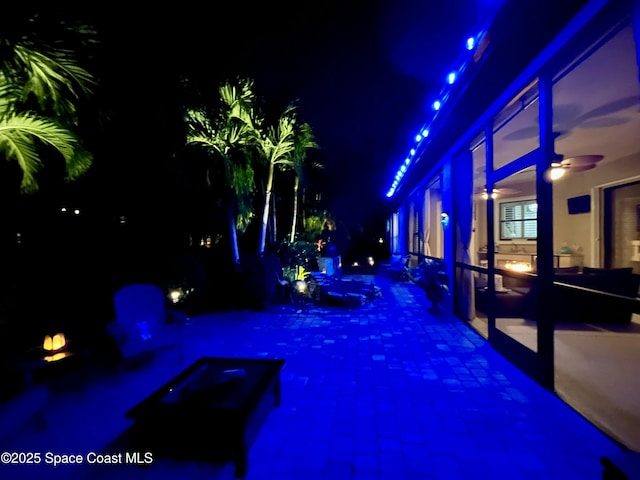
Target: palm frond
78,164
239,99
23,150
54,79
49,74
278,143
10,95
20,135
243,184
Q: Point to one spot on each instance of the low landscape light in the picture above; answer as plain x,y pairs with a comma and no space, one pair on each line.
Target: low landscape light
55,346
54,343
301,287
175,295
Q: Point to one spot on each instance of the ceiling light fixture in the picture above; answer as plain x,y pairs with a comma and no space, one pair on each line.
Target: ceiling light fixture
485,195
556,171
579,163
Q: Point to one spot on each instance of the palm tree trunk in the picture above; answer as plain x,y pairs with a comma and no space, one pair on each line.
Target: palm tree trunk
233,235
304,208
274,223
296,184
265,210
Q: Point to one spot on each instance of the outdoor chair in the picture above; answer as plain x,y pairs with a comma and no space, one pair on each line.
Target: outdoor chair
143,323
397,266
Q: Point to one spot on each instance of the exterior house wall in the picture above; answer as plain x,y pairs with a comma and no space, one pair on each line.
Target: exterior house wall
522,132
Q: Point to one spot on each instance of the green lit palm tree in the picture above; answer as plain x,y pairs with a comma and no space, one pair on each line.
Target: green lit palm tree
275,145
40,88
303,140
227,136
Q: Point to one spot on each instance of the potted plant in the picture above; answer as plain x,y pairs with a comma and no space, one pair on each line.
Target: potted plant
431,276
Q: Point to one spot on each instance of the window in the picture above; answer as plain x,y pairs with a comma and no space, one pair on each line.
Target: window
519,220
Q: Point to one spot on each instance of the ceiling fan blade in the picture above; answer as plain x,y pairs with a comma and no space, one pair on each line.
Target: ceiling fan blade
580,168
582,160
506,190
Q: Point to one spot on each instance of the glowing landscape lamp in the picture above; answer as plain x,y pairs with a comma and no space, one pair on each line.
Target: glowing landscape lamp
301,287
54,346
55,343
176,295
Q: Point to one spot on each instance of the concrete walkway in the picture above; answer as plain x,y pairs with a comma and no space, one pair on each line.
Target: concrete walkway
386,391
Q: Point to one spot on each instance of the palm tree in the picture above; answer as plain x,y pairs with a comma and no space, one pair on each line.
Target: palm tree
40,88
303,140
275,145
227,135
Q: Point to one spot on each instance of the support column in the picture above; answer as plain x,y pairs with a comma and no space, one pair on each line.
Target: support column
544,193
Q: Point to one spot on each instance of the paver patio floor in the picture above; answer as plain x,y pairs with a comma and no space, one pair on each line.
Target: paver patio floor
385,391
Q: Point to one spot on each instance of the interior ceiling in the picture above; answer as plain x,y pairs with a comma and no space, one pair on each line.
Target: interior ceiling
596,112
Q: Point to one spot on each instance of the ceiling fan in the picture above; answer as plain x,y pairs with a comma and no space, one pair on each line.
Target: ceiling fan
578,163
496,192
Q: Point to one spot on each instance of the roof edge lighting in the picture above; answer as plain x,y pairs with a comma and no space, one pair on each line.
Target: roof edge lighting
475,44
470,43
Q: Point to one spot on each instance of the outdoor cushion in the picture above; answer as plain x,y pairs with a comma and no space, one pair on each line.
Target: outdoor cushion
141,324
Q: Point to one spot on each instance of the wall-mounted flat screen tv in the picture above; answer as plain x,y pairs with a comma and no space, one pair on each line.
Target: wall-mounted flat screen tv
581,204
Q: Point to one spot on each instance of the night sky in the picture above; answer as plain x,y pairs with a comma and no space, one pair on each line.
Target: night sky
363,74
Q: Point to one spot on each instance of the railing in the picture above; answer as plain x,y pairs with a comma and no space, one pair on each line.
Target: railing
422,256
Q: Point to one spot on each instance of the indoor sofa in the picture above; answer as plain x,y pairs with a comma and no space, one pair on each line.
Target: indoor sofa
575,296
583,305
